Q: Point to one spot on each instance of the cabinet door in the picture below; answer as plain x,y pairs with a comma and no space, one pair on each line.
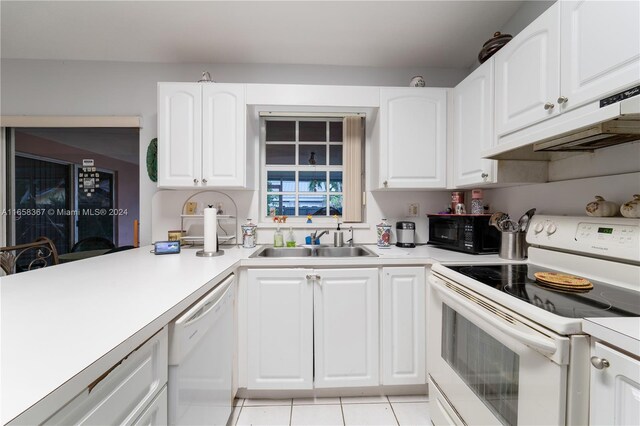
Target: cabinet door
280,329
223,135
473,127
403,326
600,49
413,137
528,74
156,412
179,134
614,389
346,328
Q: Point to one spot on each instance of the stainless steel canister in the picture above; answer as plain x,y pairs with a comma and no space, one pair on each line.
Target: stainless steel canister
513,245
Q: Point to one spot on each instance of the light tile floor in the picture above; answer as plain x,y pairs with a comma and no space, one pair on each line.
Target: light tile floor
347,411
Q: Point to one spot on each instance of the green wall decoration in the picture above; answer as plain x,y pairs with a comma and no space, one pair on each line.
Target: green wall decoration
152,160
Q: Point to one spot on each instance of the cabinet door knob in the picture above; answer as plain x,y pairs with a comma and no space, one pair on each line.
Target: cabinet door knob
313,277
204,181
484,175
195,181
562,99
548,106
385,183
599,363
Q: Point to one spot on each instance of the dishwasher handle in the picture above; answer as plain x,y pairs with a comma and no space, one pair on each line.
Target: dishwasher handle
202,308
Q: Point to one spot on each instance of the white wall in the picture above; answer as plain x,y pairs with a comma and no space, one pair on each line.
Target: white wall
43,87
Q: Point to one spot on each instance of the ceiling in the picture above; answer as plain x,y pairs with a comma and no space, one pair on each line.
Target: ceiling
347,33
119,143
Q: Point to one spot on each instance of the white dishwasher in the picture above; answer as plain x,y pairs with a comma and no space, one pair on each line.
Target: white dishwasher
201,360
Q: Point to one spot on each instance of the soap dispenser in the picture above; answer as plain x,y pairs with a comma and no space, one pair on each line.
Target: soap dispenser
278,238
291,238
338,237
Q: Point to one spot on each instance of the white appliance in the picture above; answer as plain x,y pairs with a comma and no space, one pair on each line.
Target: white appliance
503,349
201,360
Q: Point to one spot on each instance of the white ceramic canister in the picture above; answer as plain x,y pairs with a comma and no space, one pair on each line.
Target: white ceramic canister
384,234
249,234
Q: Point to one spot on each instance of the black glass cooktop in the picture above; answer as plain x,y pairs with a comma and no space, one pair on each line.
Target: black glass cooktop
603,300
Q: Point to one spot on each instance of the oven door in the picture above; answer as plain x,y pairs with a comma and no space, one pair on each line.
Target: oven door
492,365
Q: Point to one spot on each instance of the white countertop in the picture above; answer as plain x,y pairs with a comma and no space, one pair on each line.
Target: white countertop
65,325
621,332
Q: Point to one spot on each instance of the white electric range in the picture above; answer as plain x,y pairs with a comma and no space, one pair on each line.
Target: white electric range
503,349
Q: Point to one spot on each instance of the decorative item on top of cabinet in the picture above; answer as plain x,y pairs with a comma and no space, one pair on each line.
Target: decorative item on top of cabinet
201,135
417,81
413,138
631,209
601,208
491,46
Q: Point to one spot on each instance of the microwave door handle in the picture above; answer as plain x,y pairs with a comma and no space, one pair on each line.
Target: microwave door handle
461,304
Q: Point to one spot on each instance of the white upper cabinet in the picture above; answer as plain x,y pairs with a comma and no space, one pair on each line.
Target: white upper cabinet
413,138
346,330
575,53
201,135
600,49
403,326
179,134
473,128
528,74
224,124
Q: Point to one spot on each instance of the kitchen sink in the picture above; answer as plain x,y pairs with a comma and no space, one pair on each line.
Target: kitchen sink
314,251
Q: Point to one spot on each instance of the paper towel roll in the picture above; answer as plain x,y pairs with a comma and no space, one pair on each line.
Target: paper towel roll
210,230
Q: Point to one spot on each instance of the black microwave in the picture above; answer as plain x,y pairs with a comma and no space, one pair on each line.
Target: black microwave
462,232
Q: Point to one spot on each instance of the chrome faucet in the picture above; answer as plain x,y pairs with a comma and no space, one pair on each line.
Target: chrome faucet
350,240
314,236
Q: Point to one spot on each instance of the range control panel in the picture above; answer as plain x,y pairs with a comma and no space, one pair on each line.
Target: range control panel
611,237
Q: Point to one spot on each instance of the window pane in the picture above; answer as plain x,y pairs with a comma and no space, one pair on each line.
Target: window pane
335,181
281,154
315,205
335,131
312,182
281,181
281,205
313,131
335,155
335,205
312,155
281,131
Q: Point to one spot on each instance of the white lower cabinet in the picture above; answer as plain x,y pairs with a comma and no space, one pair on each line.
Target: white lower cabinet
403,326
298,319
614,398
124,394
346,327
156,412
280,329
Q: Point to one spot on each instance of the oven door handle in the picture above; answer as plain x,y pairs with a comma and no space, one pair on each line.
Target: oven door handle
461,304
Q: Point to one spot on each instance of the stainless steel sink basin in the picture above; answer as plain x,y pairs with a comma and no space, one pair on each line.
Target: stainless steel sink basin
284,252
314,251
344,252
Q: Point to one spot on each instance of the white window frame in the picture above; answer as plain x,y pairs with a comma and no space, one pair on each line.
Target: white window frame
264,217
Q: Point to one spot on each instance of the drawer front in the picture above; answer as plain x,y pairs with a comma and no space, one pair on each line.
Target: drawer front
156,413
122,395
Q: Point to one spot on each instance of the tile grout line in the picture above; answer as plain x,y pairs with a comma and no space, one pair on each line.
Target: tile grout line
393,411
291,412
